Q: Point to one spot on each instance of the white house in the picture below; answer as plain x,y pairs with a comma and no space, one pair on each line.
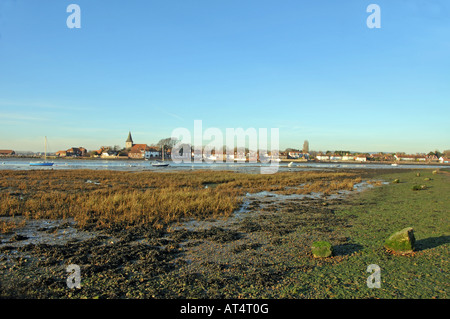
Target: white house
360,158
152,152
323,157
109,153
404,157
444,160
294,154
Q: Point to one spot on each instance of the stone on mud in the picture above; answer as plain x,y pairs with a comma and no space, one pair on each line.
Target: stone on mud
321,249
401,242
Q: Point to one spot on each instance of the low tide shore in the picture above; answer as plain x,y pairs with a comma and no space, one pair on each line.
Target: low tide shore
283,160
367,162
221,234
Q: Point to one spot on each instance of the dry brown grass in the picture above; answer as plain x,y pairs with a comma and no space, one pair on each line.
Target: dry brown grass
7,226
104,198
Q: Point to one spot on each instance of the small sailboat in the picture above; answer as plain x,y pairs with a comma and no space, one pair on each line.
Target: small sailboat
44,163
160,163
290,164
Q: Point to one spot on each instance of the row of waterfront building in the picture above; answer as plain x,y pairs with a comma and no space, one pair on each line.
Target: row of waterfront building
144,151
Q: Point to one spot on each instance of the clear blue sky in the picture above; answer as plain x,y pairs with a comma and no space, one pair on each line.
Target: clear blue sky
313,69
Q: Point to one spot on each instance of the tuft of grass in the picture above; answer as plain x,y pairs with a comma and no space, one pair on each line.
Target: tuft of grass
8,226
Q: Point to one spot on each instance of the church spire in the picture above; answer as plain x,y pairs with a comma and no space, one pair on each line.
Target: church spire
129,141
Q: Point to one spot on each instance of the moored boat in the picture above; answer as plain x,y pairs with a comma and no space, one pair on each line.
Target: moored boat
41,164
44,163
161,163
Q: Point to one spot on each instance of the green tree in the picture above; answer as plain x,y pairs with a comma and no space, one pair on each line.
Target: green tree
436,152
167,143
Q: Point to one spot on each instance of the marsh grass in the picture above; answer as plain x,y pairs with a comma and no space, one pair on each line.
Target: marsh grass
104,198
266,255
8,226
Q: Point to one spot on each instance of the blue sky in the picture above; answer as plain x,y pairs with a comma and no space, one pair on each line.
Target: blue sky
313,69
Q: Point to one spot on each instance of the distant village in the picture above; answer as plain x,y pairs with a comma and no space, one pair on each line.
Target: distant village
144,151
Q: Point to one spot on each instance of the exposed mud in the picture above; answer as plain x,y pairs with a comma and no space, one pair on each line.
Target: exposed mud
206,259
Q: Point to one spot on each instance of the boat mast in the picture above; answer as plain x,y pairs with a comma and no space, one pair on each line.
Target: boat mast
45,154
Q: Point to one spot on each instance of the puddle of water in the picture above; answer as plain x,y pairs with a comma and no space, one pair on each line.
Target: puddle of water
92,182
43,231
266,195
59,232
266,198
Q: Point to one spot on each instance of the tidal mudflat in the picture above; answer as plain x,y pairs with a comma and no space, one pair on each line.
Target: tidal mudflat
221,234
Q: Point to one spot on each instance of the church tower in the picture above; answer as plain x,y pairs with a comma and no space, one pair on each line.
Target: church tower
129,141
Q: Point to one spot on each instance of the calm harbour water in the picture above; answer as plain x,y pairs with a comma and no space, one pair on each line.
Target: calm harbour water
141,165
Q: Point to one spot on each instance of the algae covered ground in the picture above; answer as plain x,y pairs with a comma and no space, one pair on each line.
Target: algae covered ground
262,250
